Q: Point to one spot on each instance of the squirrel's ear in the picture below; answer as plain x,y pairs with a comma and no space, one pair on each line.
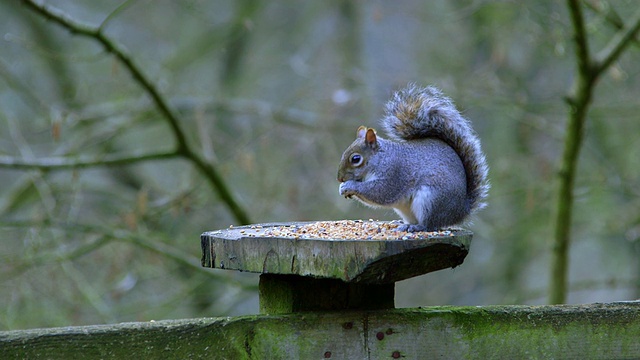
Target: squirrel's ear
362,130
370,137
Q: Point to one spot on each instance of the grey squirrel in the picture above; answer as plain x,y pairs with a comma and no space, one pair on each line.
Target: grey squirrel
432,171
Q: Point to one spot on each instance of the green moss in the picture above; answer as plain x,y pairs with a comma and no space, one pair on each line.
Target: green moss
541,330
493,332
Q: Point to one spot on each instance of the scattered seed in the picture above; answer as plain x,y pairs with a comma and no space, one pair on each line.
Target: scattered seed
342,230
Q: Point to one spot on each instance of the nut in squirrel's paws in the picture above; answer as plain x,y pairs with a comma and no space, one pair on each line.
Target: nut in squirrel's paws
345,191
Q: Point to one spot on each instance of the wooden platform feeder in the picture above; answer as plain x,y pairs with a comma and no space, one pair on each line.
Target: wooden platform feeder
302,272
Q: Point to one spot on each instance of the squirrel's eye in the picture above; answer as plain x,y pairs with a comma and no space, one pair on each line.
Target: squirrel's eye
356,159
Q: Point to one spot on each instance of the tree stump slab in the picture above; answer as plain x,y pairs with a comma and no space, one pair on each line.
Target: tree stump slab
306,270
250,248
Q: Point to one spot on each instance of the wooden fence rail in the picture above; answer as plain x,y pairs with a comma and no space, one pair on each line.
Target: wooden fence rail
595,331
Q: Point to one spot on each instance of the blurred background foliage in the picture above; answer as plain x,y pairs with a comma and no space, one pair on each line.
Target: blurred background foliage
270,93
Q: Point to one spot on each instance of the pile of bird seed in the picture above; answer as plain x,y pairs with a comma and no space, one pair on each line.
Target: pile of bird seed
342,230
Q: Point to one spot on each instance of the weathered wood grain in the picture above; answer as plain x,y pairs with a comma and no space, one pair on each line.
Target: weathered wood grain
596,331
357,260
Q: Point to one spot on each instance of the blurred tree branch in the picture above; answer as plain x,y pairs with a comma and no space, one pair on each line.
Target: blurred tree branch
105,235
619,43
25,92
183,146
610,15
579,99
237,42
48,258
68,162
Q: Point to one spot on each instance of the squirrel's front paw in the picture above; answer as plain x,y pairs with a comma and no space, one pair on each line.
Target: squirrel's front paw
346,190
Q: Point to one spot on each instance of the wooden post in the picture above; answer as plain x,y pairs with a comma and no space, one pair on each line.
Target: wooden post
281,294
300,274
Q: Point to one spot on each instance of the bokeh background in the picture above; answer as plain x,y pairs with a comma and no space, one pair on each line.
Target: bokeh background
270,93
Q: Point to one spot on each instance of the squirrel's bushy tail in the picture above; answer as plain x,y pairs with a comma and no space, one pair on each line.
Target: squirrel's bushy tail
418,113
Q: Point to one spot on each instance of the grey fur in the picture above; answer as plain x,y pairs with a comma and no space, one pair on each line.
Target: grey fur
431,171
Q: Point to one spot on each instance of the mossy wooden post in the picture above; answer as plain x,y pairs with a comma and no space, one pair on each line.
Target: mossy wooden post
300,274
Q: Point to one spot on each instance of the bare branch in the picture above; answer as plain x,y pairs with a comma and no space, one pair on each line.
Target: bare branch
28,263
579,100
121,8
618,44
64,163
608,13
579,37
113,48
105,235
183,147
